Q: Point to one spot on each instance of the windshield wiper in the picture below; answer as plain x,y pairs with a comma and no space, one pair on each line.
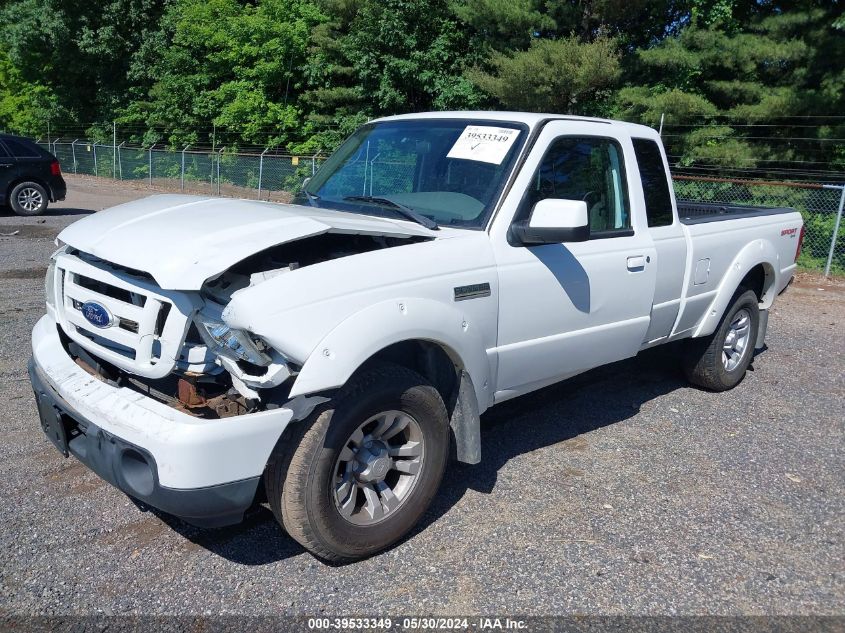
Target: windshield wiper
311,197
408,212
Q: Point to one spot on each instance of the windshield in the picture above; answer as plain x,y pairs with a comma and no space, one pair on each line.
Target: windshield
449,171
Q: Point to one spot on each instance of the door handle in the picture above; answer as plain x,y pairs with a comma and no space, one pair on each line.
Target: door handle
5,164
636,262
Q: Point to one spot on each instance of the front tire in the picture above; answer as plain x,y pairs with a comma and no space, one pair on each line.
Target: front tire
718,362
29,198
354,478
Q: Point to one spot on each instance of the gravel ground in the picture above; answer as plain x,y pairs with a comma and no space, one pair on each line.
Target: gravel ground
623,491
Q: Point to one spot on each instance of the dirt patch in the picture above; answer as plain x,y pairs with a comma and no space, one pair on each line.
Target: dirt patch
23,273
207,189
817,281
28,230
577,443
73,472
139,534
100,193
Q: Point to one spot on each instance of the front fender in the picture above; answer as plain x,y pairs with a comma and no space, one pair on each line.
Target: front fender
374,328
753,254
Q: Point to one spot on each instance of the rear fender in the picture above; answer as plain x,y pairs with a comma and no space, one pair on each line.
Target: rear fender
758,252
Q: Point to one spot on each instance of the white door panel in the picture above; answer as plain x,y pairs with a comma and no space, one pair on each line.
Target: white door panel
565,308
670,246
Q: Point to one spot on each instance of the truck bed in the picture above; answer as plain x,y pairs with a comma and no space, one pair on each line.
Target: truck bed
694,212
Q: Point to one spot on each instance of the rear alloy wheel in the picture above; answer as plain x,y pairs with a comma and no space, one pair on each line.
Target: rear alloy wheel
737,340
28,198
359,473
718,362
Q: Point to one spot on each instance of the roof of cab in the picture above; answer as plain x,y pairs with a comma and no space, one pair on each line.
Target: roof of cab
529,118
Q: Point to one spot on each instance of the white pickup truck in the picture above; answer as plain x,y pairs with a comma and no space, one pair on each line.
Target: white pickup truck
339,349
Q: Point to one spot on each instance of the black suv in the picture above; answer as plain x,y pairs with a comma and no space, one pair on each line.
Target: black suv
30,177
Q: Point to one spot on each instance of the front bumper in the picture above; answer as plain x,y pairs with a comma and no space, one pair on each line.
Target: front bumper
203,471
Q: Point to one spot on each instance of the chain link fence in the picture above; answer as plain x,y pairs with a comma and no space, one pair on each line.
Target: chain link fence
262,175
271,176
820,205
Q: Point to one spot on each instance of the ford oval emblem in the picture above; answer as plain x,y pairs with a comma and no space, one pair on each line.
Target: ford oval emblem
96,314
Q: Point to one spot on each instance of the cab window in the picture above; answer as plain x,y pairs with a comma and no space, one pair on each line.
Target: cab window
590,169
658,201
21,149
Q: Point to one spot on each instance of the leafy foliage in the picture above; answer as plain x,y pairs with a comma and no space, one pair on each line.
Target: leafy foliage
302,74
576,76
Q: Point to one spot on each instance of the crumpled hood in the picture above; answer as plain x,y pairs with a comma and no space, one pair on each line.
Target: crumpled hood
184,240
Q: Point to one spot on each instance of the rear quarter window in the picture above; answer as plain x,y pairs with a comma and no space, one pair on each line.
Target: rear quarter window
658,202
22,149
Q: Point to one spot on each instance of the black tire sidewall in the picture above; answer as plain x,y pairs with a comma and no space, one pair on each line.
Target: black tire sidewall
747,300
13,199
424,404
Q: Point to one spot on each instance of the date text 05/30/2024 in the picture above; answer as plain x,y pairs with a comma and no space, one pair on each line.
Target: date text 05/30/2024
417,624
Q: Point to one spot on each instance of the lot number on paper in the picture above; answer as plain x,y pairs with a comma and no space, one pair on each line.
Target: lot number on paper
483,143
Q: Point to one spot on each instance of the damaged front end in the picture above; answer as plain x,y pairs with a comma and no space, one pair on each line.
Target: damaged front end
215,370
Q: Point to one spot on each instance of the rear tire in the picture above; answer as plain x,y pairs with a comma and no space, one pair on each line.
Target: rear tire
28,199
718,362
345,483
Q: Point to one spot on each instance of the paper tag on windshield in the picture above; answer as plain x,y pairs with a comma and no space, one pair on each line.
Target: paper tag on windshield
483,143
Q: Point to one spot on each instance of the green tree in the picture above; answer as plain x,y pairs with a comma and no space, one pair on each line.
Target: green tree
224,63
377,57
73,55
565,76
25,107
741,77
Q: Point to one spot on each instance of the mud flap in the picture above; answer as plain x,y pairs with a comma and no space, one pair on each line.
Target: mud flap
762,326
466,423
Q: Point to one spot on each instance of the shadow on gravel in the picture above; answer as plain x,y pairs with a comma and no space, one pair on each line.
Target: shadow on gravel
598,398
257,541
51,212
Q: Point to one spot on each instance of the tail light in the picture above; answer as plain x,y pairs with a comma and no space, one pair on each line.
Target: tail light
800,243
55,168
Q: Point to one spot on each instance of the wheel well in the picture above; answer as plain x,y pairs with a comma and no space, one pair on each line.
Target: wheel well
758,279
18,181
428,359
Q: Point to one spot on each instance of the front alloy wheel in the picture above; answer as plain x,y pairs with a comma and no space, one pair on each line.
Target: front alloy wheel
357,475
378,467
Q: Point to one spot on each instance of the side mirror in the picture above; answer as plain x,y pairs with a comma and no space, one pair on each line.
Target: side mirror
554,221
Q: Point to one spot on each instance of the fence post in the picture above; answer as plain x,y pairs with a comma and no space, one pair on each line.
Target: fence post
314,163
94,146
219,156
182,175
261,171
114,149
835,232
73,152
54,146
120,160
151,164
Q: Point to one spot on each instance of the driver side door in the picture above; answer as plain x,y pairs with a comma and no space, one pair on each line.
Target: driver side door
567,307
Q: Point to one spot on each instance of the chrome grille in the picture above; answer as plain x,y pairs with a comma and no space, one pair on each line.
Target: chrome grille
147,324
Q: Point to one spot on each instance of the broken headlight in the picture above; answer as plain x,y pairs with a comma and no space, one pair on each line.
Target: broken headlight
50,284
235,344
